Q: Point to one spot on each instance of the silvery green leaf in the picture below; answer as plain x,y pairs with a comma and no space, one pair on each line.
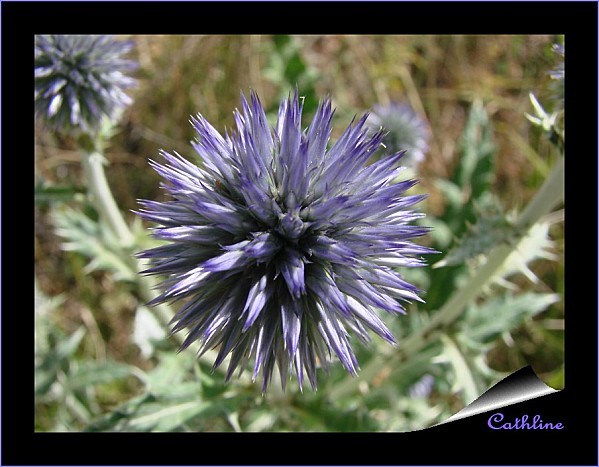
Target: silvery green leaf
94,241
260,420
170,371
169,408
114,420
89,373
146,331
43,306
49,362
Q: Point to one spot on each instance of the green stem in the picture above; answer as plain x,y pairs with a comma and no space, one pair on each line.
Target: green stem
93,166
549,195
462,369
92,162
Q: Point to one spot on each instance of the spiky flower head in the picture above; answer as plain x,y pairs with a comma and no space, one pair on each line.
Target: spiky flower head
406,130
280,245
79,80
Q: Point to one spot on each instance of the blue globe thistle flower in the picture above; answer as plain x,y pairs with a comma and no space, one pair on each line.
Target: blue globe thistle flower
79,80
405,130
279,245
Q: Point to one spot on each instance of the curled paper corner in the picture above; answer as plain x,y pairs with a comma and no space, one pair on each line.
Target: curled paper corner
520,386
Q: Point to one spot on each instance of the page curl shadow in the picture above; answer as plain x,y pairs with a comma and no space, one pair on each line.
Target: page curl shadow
520,386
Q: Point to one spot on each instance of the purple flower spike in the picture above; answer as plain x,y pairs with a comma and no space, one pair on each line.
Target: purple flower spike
281,247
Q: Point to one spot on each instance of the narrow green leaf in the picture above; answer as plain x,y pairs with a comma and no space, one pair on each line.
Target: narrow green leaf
171,371
167,418
452,193
48,194
476,165
113,420
52,360
89,373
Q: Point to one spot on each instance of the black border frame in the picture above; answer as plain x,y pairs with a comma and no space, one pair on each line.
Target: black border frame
450,444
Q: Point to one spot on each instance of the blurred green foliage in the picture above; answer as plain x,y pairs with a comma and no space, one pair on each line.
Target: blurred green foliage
485,162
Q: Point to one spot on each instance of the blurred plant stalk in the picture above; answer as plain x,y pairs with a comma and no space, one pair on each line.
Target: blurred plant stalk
93,162
548,197
93,166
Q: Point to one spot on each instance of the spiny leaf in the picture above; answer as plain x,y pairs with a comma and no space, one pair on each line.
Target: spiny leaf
535,245
484,323
469,184
492,227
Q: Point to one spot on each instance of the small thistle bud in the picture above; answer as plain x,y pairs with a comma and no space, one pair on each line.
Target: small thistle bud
79,80
405,130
